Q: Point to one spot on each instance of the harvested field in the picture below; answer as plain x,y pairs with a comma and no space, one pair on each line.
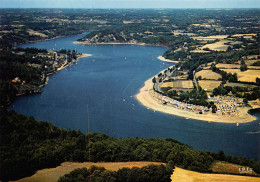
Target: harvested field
208,74
199,51
209,84
166,84
239,85
186,84
249,62
182,175
245,76
210,38
218,46
224,167
234,66
32,32
246,36
53,174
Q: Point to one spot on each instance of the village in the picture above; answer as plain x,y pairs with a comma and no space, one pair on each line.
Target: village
226,105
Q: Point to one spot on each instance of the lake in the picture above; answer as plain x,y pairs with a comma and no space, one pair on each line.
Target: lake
103,86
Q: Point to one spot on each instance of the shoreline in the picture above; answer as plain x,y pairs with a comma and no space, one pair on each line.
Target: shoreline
65,66
166,60
146,99
118,43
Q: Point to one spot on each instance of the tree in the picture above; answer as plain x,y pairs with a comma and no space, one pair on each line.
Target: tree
257,81
154,80
243,67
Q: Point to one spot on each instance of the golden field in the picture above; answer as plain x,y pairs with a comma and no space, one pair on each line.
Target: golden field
182,175
224,167
209,84
32,32
245,76
185,84
208,74
234,66
53,174
213,37
166,84
217,46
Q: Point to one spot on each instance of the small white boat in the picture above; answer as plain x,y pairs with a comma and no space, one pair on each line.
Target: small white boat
187,118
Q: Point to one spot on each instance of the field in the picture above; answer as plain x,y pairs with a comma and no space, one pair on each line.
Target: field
182,175
53,174
187,84
238,85
211,38
208,74
246,36
245,76
32,32
234,66
166,84
250,61
209,84
218,46
224,167
200,51
179,84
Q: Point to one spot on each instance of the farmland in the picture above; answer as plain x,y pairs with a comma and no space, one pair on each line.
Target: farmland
179,84
182,175
208,74
211,38
186,84
209,84
245,76
53,174
234,66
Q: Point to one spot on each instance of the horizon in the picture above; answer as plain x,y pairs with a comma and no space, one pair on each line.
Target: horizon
131,4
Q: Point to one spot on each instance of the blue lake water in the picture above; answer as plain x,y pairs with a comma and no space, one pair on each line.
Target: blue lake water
113,74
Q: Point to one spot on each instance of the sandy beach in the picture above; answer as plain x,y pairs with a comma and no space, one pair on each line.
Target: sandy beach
166,60
146,98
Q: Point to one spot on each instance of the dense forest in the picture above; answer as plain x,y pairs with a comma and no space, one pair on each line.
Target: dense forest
27,145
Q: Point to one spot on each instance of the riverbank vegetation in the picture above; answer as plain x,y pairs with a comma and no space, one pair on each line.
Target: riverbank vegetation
27,145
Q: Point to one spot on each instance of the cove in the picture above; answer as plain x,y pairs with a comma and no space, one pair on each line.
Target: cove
105,85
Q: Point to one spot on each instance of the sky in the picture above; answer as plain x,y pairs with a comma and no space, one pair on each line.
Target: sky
129,3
